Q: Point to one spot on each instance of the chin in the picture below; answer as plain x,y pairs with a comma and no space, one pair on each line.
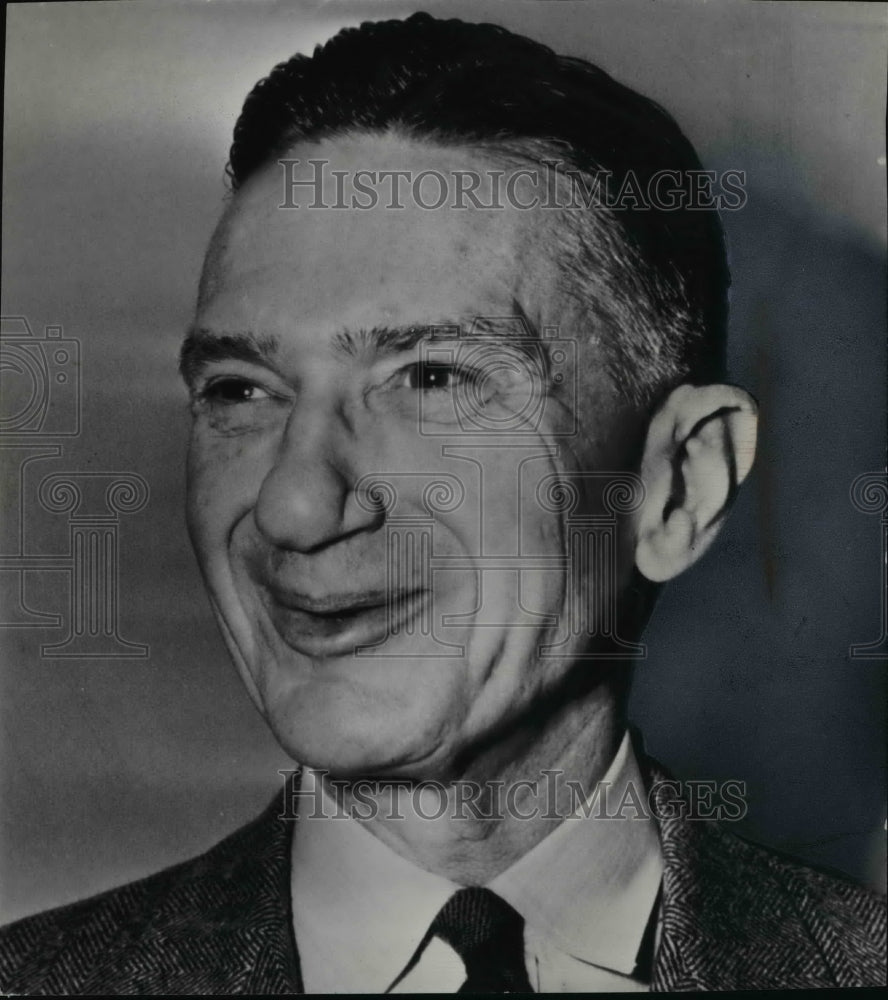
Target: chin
371,718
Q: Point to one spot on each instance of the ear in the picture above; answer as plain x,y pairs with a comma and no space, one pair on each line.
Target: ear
699,449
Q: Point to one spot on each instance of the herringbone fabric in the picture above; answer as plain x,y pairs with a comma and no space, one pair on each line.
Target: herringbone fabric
219,924
740,916
735,916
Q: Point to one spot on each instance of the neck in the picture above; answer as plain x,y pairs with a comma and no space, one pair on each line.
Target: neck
507,799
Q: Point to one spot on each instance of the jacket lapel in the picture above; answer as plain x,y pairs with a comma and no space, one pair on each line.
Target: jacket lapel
681,960
729,916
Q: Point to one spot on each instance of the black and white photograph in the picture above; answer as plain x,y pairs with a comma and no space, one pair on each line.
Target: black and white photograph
444,528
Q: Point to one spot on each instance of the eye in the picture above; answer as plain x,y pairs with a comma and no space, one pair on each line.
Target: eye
229,390
232,403
428,376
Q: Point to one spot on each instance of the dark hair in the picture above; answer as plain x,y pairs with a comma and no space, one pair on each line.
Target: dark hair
660,284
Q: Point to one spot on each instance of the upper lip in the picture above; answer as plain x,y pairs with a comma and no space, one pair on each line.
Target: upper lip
330,604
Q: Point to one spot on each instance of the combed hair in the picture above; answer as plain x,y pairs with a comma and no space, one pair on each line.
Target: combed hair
654,281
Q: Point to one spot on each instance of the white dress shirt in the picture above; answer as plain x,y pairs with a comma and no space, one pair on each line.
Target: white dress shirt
586,893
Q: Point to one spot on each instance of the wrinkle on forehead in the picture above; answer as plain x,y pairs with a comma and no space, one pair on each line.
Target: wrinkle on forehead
520,245
327,268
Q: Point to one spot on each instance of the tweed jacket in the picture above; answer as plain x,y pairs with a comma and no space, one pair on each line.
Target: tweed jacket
734,916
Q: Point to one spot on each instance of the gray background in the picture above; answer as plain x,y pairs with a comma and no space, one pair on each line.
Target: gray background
117,123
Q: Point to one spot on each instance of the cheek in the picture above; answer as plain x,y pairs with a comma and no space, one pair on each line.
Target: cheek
223,479
541,512
198,509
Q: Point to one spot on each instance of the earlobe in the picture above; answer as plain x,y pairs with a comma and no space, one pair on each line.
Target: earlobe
700,447
664,552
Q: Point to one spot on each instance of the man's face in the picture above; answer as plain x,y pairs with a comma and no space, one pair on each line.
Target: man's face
390,631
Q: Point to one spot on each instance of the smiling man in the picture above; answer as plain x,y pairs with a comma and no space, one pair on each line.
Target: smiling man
452,427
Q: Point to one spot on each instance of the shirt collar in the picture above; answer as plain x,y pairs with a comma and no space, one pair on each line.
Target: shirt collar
590,885
360,910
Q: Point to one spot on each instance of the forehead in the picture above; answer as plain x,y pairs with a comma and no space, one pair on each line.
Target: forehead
359,267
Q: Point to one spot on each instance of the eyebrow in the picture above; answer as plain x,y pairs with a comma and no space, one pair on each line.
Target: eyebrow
384,341
202,346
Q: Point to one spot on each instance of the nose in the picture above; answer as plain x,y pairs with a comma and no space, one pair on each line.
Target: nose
307,500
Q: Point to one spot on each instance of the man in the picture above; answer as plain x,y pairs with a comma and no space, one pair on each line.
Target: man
456,416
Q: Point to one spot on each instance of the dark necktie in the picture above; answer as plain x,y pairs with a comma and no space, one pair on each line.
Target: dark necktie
488,935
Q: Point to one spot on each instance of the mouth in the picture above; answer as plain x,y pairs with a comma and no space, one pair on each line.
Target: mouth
336,624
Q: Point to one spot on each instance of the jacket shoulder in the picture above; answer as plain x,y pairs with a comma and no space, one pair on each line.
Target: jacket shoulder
60,946
151,935
738,915
779,922
829,899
